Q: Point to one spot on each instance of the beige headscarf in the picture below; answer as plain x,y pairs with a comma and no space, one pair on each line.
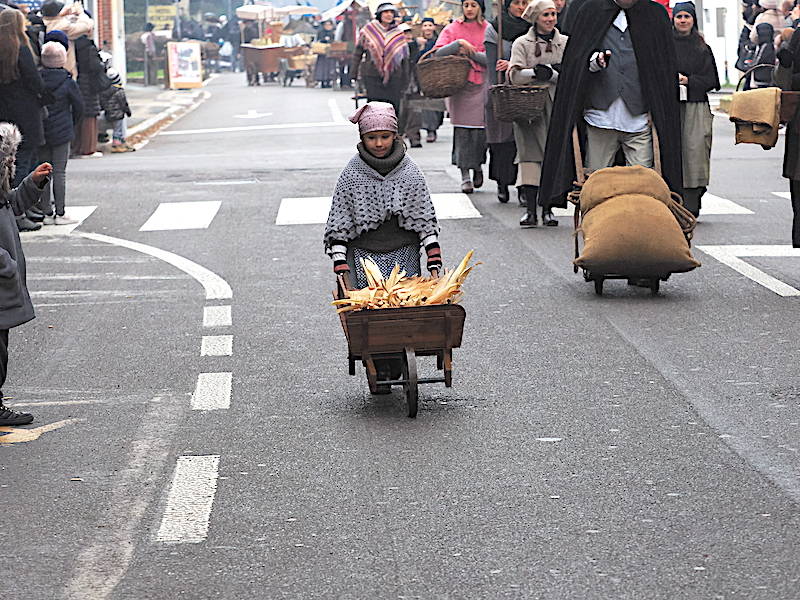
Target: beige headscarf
536,8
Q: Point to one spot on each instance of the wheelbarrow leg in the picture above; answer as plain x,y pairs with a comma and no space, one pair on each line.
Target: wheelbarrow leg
410,387
448,368
372,374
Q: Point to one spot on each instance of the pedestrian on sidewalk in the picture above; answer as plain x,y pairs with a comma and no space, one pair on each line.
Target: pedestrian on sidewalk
697,75
15,302
116,110
381,207
536,59
59,130
465,36
148,40
22,96
92,80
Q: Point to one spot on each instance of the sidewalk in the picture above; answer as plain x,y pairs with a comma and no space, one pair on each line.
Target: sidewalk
153,108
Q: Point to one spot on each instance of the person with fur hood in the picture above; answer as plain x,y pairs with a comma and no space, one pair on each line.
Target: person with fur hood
15,302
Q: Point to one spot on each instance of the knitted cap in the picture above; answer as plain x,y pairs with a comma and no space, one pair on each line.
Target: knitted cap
481,3
687,7
768,4
536,8
52,8
54,56
56,35
113,75
375,116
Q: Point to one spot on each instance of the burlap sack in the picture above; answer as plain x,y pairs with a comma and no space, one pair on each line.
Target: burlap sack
618,181
634,235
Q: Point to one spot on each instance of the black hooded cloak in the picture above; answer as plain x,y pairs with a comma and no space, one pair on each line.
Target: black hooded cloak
651,35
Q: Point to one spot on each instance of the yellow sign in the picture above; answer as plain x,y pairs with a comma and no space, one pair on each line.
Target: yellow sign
163,17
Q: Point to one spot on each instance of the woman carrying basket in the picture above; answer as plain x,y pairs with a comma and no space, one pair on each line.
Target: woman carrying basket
500,135
381,58
536,58
697,75
465,36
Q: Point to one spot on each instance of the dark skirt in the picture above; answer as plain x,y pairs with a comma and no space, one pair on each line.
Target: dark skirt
326,69
469,147
392,92
432,120
502,168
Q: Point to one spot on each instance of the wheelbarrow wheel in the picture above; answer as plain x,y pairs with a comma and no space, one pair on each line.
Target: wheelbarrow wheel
655,284
410,387
598,286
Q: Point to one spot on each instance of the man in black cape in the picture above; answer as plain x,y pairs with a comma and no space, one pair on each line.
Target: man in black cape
650,34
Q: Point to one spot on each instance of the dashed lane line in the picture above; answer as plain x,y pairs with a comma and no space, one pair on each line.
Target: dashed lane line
213,391
217,316
191,498
275,126
216,345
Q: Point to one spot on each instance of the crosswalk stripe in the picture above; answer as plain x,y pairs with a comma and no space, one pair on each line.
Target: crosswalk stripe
182,215
212,392
732,257
785,195
314,211
79,213
190,500
712,205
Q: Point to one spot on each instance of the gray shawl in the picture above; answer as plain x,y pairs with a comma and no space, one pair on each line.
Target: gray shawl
364,199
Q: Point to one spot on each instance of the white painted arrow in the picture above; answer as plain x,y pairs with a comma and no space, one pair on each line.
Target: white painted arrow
253,114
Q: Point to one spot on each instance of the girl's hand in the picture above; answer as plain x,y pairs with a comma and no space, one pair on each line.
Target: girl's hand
683,79
41,173
467,48
502,65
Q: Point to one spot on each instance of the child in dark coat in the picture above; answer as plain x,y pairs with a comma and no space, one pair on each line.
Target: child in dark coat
15,302
59,129
114,103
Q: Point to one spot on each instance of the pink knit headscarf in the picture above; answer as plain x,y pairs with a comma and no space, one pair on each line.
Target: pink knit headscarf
375,116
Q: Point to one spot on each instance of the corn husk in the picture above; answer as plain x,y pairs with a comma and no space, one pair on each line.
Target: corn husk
397,290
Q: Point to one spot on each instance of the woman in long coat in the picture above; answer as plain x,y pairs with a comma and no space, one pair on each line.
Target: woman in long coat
381,58
788,77
22,91
697,75
91,75
326,68
465,36
536,58
500,135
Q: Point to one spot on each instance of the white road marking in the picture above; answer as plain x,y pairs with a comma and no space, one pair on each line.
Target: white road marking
336,112
57,403
182,215
712,205
79,213
228,182
217,316
276,126
312,211
213,391
252,114
215,286
216,345
785,195
190,500
731,256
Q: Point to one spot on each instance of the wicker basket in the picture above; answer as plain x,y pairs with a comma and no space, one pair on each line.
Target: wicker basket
518,102
440,77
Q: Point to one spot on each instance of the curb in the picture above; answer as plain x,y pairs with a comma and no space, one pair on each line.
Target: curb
141,133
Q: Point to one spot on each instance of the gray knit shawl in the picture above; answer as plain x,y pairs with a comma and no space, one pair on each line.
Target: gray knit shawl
364,199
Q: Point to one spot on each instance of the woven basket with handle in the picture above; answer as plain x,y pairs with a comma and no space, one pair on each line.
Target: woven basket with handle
518,102
440,77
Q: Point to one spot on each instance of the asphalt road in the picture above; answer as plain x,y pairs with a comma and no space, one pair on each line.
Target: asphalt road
627,446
